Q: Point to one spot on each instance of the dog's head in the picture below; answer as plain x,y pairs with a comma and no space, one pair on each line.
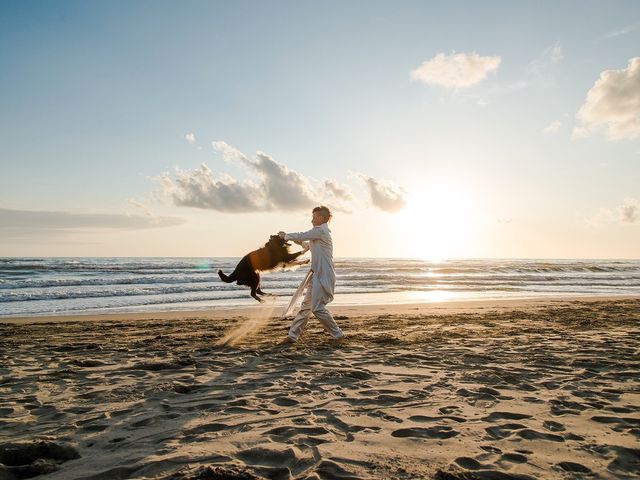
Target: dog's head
277,241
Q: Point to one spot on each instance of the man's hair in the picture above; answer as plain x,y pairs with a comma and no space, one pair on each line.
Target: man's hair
324,211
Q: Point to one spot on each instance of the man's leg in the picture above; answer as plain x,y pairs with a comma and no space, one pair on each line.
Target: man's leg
302,317
319,309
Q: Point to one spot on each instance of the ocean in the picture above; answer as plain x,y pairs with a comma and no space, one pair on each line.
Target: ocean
60,286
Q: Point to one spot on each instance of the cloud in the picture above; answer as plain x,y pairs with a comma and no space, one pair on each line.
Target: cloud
190,138
271,186
278,188
553,127
456,70
613,104
285,188
620,32
340,192
540,66
629,211
201,189
229,153
336,196
385,195
20,223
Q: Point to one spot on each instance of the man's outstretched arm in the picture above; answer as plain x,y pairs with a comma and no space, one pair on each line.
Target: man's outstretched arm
314,234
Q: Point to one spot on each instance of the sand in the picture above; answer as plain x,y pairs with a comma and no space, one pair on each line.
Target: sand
540,389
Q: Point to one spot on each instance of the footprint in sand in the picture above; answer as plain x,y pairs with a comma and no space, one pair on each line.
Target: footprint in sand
285,402
275,463
439,432
468,463
616,409
425,419
529,434
25,460
288,432
627,461
505,416
513,458
573,467
618,424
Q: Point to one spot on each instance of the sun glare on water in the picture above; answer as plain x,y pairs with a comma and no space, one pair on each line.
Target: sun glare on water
438,222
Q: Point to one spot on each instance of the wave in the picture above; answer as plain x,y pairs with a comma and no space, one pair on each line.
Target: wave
58,284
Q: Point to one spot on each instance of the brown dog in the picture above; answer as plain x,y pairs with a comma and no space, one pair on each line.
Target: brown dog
274,253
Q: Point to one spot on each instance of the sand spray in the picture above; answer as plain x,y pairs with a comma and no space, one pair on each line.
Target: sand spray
261,317
254,322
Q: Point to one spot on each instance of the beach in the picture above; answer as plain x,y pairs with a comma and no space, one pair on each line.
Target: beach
509,389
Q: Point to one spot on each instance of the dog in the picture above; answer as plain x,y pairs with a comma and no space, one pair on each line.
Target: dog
274,253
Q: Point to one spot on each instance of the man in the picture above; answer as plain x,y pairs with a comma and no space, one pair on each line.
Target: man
323,279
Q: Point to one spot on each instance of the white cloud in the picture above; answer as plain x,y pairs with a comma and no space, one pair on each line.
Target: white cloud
285,188
456,70
629,211
201,189
190,138
271,186
341,192
385,195
620,32
229,153
553,127
337,196
613,104
276,187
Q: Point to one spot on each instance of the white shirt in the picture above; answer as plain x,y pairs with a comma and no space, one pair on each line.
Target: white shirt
321,247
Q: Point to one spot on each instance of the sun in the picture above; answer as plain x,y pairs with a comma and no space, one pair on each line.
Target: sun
438,222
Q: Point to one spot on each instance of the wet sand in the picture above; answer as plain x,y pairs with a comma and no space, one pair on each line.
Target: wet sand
481,390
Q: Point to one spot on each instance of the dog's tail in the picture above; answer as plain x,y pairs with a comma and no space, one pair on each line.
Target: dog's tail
228,279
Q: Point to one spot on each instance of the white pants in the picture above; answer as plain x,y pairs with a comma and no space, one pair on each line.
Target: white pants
314,302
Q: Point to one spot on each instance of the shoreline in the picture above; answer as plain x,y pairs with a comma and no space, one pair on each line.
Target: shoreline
371,309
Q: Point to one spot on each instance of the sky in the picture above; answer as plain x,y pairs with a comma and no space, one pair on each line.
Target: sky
432,130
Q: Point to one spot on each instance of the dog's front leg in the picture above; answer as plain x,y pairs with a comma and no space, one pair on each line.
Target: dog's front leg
292,256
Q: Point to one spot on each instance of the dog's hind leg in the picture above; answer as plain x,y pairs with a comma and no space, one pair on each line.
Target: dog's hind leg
260,292
254,284
254,294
